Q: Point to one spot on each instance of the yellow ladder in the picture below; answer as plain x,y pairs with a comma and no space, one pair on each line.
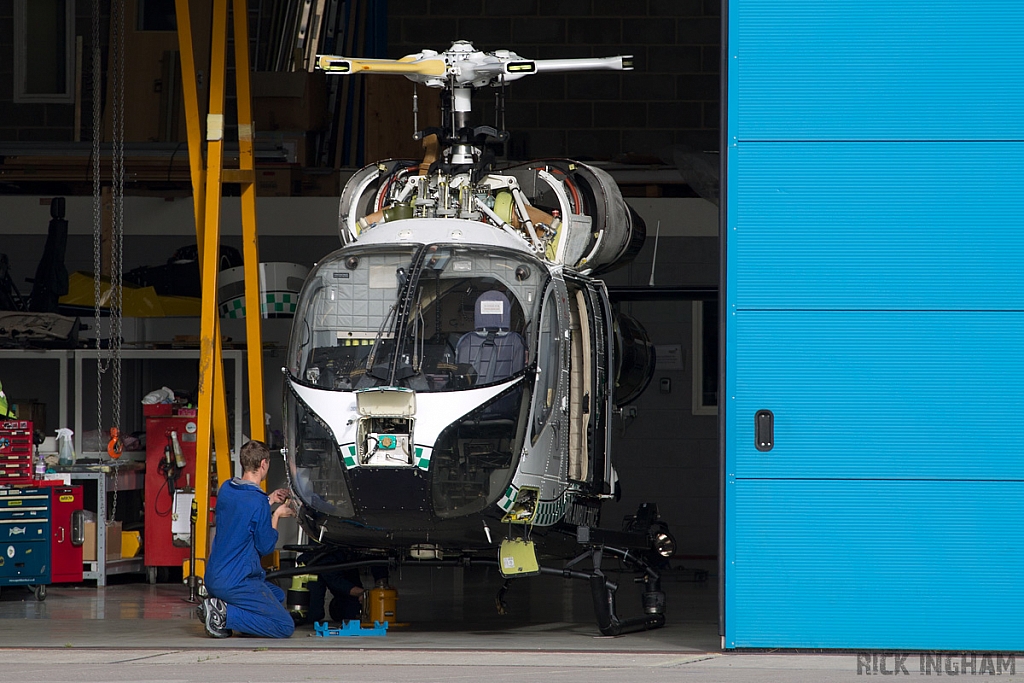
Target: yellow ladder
207,183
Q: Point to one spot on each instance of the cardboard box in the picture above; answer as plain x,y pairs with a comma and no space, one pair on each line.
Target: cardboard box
320,183
289,100
113,542
274,181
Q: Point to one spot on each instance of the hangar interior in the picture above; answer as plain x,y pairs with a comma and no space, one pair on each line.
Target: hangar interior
655,129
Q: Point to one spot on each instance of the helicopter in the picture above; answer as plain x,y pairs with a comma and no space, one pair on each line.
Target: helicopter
453,369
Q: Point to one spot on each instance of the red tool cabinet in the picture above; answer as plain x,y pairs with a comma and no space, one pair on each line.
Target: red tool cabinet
162,547
15,451
68,533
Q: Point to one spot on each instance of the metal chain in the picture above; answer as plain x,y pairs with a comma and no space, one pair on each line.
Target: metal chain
97,207
115,302
97,132
117,235
102,365
117,61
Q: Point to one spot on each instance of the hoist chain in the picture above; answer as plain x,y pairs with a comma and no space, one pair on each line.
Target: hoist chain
112,359
117,60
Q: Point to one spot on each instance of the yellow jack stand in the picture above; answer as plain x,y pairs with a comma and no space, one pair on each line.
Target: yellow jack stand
207,186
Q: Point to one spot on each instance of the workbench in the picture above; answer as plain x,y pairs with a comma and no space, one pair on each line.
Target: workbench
106,478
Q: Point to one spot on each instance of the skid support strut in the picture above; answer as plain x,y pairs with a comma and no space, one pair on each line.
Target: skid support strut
602,590
603,594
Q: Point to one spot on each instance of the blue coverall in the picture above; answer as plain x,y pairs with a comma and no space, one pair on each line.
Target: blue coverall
234,573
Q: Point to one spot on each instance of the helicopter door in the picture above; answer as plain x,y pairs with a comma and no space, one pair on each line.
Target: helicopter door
580,388
587,380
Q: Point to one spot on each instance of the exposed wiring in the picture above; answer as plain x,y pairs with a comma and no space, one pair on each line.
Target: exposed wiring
372,451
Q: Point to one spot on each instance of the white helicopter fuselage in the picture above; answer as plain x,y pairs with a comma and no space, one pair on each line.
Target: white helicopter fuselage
441,359
452,368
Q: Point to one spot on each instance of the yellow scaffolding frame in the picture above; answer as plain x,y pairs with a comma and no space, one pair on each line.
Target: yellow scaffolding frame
207,182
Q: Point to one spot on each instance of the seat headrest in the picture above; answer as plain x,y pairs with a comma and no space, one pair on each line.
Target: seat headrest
492,311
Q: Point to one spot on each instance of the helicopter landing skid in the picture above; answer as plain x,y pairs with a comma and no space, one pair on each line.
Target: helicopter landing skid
603,593
602,590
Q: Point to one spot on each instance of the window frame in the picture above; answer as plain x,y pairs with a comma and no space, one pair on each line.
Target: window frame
699,339
549,365
21,57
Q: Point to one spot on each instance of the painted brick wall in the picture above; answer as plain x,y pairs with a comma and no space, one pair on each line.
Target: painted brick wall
670,98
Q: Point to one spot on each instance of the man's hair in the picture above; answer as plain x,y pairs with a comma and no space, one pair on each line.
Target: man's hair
252,454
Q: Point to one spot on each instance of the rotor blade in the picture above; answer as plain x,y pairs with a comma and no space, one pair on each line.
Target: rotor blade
350,65
619,63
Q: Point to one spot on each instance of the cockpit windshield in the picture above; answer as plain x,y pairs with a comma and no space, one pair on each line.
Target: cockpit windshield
430,318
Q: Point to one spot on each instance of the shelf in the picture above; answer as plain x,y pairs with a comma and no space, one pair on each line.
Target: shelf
129,565
236,355
127,479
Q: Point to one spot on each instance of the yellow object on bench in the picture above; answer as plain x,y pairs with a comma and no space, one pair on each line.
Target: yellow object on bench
131,543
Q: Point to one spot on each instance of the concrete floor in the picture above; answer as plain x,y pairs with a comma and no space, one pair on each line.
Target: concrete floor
132,631
444,608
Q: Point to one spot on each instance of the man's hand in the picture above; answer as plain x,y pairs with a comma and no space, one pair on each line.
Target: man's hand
279,496
284,511
281,511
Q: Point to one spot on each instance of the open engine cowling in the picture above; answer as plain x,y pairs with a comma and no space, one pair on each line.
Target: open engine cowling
635,360
566,211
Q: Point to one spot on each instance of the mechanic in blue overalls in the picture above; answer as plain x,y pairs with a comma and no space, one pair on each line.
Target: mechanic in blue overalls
241,599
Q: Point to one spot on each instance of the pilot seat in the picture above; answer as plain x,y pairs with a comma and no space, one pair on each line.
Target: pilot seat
495,353
492,349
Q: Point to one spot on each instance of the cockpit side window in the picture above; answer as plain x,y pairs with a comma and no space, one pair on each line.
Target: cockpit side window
344,324
549,364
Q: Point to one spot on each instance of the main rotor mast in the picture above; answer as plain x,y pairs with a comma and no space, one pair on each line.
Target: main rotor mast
459,71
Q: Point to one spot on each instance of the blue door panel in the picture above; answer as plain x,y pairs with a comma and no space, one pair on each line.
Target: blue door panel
876,70
875,304
877,225
891,395
875,564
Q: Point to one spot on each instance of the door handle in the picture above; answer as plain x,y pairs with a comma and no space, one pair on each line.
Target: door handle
78,527
764,430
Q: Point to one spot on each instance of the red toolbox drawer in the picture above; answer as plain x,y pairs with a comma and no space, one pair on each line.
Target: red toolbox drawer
15,451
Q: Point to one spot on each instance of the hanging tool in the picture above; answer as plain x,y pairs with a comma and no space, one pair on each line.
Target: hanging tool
115,446
179,457
169,468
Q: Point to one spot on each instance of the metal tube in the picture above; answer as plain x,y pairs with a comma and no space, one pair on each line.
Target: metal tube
494,217
517,194
468,562
618,63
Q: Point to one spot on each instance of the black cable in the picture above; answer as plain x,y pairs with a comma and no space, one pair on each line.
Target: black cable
167,472
170,164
